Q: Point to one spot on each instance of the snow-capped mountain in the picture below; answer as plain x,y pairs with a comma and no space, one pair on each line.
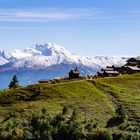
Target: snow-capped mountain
5,54
40,57
5,57
46,62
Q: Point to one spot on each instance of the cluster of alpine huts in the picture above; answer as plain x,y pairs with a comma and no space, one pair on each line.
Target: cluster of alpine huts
132,66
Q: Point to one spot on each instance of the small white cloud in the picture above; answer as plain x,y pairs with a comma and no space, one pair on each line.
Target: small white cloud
48,15
45,15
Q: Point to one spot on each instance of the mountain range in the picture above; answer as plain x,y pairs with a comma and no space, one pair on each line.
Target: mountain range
40,57
48,61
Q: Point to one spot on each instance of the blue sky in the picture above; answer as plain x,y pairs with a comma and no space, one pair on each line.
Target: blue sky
87,27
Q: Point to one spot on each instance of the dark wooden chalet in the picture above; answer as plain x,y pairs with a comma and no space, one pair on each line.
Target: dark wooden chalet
100,73
108,72
116,68
74,74
129,70
132,66
133,62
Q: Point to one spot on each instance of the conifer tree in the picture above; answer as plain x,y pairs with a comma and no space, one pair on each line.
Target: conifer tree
14,82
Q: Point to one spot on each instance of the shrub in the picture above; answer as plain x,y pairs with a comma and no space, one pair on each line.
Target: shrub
100,134
121,114
65,110
59,127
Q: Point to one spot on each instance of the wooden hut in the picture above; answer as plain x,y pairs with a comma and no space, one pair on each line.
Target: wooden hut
108,72
133,61
74,74
129,69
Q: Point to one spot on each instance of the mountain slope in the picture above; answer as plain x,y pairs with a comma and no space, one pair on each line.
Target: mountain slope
95,98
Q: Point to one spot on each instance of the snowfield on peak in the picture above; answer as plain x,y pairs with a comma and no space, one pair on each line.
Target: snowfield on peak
49,49
5,57
40,57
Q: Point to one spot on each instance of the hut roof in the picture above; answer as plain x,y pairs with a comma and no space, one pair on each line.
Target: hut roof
100,72
133,68
107,69
135,58
75,71
111,72
110,66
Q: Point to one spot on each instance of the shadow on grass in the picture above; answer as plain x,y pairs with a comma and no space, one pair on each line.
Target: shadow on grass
115,121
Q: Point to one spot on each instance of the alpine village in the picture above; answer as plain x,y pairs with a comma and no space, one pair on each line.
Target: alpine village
131,67
105,106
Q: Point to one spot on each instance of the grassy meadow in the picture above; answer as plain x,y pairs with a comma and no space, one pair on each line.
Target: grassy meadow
93,99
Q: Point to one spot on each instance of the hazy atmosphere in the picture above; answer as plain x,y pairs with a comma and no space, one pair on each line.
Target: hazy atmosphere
86,27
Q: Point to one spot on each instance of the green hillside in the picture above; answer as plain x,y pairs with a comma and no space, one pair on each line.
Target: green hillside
94,99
